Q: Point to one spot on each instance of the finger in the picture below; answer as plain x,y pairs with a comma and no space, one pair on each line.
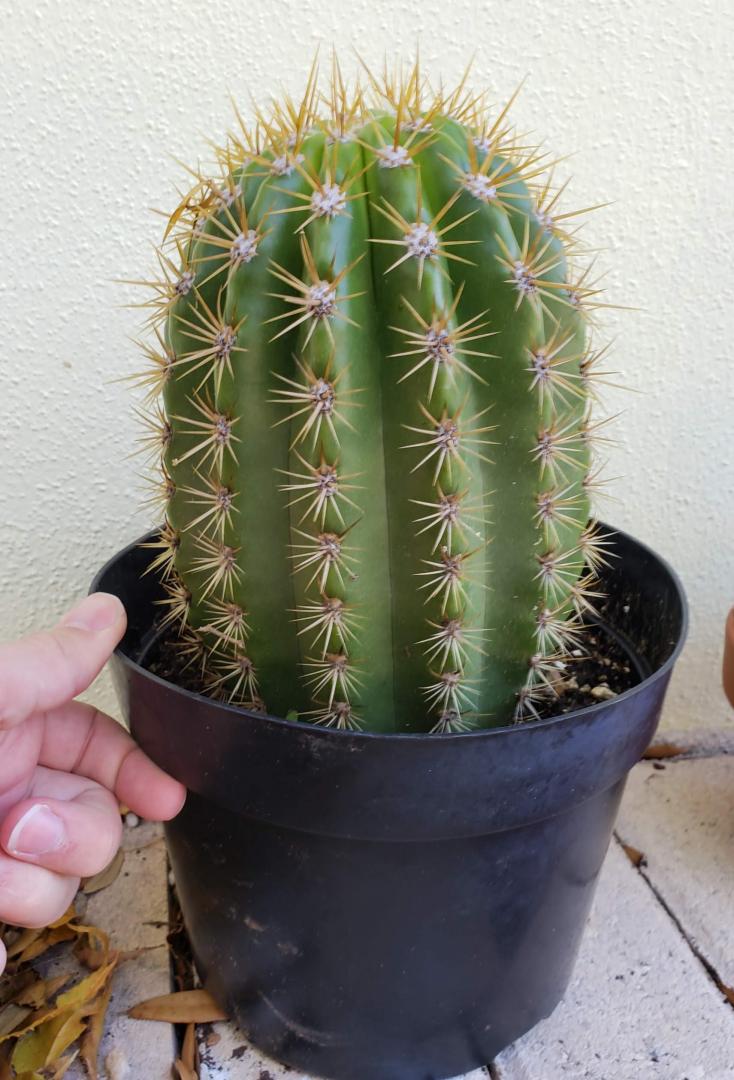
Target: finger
44,670
31,895
80,739
77,837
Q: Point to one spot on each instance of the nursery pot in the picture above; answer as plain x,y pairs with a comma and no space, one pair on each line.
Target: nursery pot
394,907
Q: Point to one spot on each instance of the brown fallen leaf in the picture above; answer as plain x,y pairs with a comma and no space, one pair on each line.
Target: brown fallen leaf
43,1026
83,992
635,856
12,986
663,750
67,917
26,939
105,877
184,1007
33,1020
183,1072
93,946
78,996
186,1066
93,1035
45,1045
62,1066
12,1016
43,942
41,991
23,940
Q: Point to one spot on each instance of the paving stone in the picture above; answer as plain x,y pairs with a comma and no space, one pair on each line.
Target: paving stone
232,1058
134,911
681,817
640,1006
695,743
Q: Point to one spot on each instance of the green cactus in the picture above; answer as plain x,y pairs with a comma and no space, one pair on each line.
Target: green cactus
376,425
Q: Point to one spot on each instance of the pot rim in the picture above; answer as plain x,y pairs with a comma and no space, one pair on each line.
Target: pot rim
575,716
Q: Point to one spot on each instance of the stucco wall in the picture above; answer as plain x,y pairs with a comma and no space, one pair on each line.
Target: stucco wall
98,97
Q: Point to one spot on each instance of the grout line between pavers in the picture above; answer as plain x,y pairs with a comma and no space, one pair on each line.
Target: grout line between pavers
712,973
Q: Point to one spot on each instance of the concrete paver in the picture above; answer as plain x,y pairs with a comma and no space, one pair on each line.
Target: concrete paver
681,816
640,1005
134,911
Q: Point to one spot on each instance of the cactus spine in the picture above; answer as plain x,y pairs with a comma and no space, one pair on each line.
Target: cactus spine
375,433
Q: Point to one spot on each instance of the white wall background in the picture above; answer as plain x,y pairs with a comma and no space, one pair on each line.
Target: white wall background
97,95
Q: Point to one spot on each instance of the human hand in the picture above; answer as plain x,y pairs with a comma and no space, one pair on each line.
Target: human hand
65,766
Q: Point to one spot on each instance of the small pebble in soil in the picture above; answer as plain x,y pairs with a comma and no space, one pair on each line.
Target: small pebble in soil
132,820
602,692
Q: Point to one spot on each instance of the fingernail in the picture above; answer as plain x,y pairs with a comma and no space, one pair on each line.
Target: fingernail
96,612
38,832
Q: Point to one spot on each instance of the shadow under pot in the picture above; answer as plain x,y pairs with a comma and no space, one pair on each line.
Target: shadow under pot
394,907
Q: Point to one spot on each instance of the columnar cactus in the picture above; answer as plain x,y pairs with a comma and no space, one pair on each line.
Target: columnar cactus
375,426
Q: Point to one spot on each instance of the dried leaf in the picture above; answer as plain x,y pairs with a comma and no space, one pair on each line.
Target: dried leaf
187,1064
27,938
11,1017
34,1020
93,947
63,1065
12,986
185,1007
663,750
22,942
41,991
43,1046
183,1072
635,856
68,915
88,988
105,877
49,938
93,1035
188,1050
77,996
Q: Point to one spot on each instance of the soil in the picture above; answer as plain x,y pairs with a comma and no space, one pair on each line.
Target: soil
598,673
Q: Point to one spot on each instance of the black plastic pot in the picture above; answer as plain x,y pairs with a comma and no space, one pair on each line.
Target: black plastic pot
394,907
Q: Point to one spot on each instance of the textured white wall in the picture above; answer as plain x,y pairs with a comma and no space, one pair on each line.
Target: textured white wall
97,96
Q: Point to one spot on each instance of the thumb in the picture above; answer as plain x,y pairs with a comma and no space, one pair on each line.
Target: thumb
44,670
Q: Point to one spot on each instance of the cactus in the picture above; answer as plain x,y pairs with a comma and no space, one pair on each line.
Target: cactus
376,428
